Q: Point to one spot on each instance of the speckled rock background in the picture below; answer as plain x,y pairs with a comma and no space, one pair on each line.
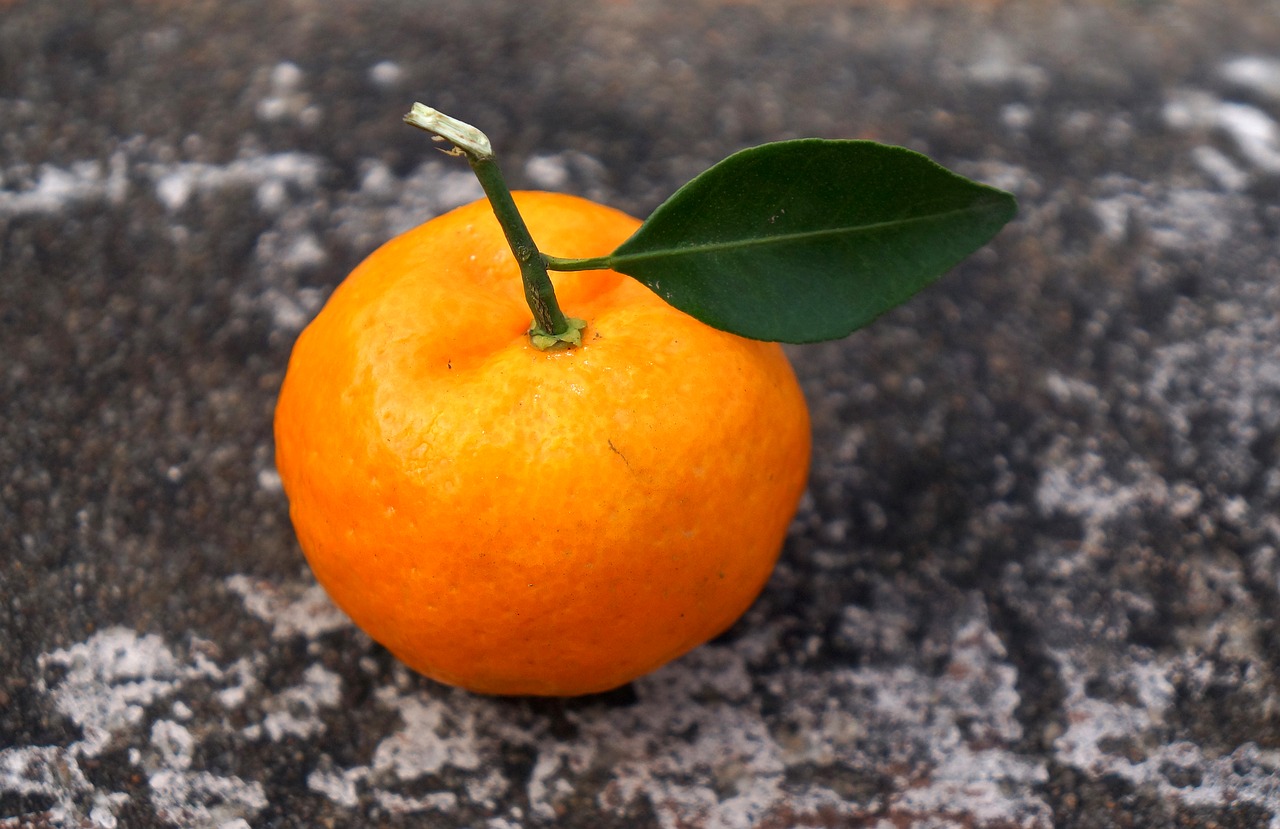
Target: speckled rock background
1035,582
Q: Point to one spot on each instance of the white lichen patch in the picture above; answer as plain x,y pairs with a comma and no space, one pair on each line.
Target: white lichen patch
1255,133
1228,370
1180,219
1248,774
1257,73
296,711
105,686
999,62
569,171
434,735
176,183
53,772
386,74
173,744
201,799
1080,485
340,787
243,673
286,99
698,756
696,748
194,798
306,226
109,680
442,188
1125,739
1220,167
51,189
992,787
398,804
292,610
1093,721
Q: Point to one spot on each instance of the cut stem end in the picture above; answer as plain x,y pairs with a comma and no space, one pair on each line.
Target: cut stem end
458,133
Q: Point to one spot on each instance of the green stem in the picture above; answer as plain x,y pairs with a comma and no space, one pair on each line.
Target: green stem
556,263
551,329
538,291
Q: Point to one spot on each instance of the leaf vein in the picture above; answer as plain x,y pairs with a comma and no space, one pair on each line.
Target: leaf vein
707,248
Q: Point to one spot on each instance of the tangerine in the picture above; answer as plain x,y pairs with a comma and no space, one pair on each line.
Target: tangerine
516,521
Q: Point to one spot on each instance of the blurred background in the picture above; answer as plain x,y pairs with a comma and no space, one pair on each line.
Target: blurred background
1034,581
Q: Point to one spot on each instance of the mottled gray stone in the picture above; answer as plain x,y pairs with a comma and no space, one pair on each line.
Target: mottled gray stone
1035,580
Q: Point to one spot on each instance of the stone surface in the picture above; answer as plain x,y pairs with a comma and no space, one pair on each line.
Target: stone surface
1035,582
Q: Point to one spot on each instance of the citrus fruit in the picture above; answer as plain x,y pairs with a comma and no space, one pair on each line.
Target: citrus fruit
516,521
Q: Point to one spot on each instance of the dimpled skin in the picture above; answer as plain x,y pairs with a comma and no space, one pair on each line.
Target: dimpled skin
522,522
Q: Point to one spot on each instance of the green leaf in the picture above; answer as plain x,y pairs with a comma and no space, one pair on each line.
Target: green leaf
807,240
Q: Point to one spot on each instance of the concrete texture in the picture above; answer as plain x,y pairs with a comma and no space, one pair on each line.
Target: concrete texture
1035,582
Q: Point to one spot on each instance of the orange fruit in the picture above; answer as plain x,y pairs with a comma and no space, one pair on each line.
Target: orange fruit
515,521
